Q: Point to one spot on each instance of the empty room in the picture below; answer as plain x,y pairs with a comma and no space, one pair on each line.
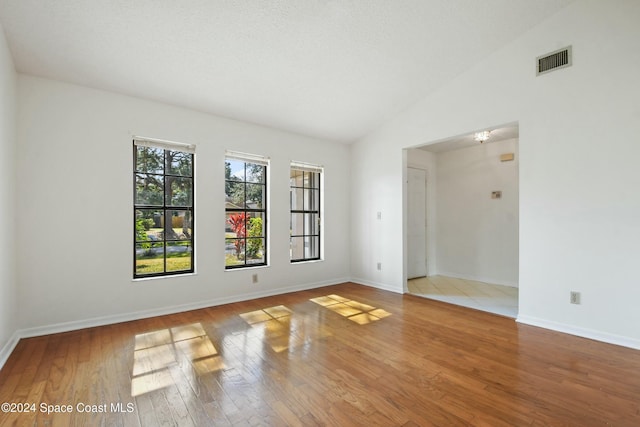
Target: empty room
208,212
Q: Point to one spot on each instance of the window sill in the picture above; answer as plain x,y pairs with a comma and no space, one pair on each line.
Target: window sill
168,276
249,267
311,261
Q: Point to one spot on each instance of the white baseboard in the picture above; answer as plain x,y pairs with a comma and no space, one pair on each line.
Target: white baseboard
580,332
5,352
8,348
377,285
478,279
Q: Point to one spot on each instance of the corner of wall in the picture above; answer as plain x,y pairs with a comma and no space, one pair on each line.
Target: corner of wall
8,144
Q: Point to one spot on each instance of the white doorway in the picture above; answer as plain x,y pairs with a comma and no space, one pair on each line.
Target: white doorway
416,223
462,228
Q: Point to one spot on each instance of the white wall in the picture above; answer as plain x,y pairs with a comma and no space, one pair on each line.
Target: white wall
477,236
8,311
579,175
75,204
377,187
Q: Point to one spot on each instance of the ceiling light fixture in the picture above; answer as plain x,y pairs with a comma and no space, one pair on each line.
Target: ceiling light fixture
482,136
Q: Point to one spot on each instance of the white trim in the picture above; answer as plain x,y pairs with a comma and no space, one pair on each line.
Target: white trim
142,141
307,261
167,276
8,348
246,157
127,317
248,267
377,285
580,332
306,167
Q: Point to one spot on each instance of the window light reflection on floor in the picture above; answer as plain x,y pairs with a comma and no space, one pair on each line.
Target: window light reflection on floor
355,311
274,324
156,352
282,329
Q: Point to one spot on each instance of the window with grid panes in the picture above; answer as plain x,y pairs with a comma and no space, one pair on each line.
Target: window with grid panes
163,210
305,220
246,210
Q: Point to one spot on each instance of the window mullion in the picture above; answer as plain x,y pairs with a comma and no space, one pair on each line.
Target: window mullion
164,234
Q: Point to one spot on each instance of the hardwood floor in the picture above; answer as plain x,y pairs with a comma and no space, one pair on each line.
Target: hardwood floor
342,355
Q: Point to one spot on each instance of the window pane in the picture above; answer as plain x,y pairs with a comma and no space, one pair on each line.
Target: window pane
297,247
297,224
255,196
150,160
255,173
311,247
255,224
296,199
236,224
311,200
296,178
180,225
149,190
234,251
149,258
255,250
178,256
234,170
234,195
179,191
179,163
312,180
311,224
148,225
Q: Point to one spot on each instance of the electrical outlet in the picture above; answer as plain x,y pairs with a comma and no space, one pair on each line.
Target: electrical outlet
254,278
379,266
379,217
574,297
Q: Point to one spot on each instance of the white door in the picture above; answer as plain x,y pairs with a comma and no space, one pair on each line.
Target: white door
417,223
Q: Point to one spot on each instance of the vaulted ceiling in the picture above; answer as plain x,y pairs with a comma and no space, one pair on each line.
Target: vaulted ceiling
333,69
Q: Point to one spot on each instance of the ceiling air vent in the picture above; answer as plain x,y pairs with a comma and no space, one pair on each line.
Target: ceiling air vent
554,61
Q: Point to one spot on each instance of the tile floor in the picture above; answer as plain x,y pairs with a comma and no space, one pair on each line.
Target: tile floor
468,293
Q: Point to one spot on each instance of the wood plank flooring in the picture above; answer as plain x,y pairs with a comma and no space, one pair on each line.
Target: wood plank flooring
344,355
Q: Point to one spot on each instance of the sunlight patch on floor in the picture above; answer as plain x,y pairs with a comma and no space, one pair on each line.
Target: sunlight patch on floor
355,311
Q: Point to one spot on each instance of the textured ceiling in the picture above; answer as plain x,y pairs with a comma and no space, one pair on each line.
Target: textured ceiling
334,69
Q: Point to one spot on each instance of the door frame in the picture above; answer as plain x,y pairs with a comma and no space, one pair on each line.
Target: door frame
425,218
